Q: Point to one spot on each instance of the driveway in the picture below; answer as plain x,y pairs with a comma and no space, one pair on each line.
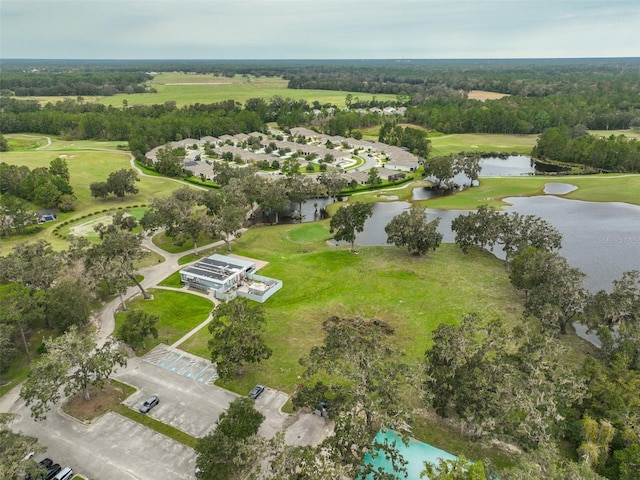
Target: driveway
300,429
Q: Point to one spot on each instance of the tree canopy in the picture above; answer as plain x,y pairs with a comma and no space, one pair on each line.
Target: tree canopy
237,327
519,393
348,220
138,325
72,362
412,230
370,376
218,450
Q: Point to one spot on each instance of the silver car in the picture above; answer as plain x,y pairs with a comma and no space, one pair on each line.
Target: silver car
149,404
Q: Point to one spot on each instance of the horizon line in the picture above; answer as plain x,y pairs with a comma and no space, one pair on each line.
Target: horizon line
396,59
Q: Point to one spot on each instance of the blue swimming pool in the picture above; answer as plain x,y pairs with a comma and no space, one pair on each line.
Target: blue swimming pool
414,452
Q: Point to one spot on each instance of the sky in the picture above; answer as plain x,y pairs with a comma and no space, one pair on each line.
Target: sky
318,29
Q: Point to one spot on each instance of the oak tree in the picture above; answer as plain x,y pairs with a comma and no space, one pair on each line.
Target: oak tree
412,230
357,354
237,328
480,228
21,308
118,251
138,325
349,220
72,361
218,450
559,295
14,450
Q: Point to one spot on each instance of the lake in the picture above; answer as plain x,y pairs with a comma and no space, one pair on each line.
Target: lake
512,165
601,239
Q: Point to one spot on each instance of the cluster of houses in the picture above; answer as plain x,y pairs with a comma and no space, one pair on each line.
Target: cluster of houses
399,111
391,162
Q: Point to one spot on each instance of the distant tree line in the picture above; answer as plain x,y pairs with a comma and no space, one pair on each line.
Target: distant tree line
414,140
39,83
144,127
520,115
614,153
594,94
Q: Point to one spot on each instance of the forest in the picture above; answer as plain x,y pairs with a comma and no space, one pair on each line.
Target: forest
72,83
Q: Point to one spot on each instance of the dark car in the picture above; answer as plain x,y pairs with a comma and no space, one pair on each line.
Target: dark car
257,390
43,466
149,404
52,471
45,462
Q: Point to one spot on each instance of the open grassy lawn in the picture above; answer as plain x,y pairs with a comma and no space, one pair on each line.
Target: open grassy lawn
634,133
593,188
478,142
88,162
414,294
178,312
20,142
188,89
44,99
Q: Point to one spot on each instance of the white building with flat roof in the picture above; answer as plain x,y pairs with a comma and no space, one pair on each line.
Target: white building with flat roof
228,277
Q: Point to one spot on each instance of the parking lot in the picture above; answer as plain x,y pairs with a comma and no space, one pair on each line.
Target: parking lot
301,429
114,447
186,403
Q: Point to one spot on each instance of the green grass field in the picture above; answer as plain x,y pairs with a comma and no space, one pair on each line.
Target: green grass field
492,191
635,133
88,162
188,89
414,294
179,313
485,142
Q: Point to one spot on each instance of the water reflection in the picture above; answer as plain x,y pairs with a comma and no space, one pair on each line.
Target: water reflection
512,165
558,188
601,239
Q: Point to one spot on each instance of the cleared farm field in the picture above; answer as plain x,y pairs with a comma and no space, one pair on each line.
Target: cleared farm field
188,89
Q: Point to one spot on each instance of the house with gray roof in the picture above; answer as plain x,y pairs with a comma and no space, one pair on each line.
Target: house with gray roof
401,159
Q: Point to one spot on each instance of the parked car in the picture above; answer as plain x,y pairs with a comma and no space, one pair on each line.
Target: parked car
257,390
52,471
149,404
45,462
64,474
44,465
28,456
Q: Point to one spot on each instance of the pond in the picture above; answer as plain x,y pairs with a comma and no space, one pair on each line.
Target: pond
507,167
512,165
558,188
601,239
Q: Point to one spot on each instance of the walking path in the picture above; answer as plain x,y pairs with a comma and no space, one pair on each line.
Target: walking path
153,275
